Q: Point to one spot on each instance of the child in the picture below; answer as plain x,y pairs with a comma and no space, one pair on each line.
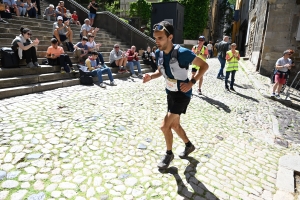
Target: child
75,19
68,15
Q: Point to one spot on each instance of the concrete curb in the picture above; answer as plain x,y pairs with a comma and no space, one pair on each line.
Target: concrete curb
285,177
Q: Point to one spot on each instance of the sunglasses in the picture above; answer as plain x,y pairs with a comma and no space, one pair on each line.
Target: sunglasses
159,27
29,34
116,47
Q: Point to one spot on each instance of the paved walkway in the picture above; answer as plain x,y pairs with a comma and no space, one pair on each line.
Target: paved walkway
92,143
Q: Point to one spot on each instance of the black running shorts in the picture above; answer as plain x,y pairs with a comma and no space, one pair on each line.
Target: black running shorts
177,102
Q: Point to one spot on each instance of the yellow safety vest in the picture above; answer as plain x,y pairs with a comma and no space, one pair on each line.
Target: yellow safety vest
232,65
200,55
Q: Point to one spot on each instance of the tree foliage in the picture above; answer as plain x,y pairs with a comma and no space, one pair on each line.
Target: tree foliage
195,17
142,9
232,2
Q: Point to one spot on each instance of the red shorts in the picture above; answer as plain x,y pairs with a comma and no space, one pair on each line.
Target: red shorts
280,80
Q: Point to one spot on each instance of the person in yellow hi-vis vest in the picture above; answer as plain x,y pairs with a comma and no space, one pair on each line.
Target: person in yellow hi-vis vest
232,59
202,52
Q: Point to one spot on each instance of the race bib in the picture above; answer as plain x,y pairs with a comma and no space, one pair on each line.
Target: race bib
171,84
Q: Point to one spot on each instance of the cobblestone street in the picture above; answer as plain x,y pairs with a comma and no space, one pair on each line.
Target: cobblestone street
85,142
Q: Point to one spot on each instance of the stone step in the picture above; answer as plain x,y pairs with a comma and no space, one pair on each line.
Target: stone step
104,42
39,87
106,48
44,69
100,38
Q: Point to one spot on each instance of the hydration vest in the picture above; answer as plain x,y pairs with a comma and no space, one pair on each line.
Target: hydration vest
233,64
179,72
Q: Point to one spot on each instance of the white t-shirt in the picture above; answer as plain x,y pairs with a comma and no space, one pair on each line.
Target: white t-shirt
281,62
91,44
209,47
85,27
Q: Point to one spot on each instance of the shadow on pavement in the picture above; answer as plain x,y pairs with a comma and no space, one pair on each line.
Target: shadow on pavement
218,104
198,187
245,96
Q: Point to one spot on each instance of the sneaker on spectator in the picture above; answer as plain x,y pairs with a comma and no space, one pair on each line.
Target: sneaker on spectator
36,64
273,94
120,72
102,85
134,76
277,96
62,70
165,162
30,65
187,151
113,83
72,69
140,74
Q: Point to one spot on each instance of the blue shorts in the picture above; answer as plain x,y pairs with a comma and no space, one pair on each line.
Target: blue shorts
61,37
92,15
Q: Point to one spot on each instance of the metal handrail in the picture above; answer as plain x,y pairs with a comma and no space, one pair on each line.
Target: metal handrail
127,25
291,86
79,6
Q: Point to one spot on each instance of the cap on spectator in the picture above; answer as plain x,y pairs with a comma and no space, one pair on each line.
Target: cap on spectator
116,45
59,18
51,6
86,20
54,41
202,37
74,11
84,38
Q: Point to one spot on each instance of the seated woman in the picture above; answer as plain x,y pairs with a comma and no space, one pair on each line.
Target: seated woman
31,9
93,46
56,56
22,7
25,48
148,60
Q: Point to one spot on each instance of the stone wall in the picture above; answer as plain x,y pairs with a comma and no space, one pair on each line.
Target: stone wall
268,43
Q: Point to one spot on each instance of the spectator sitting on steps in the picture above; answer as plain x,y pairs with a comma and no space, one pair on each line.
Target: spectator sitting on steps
12,6
81,50
62,31
56,56
93,46
133,59
25,48
74,19
31,9
148,59
68,15
61,10
117,58
97,70
21,7
49,13
87,28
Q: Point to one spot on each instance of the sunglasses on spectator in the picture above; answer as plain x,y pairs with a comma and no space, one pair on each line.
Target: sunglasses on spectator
116,47
159,27
29,34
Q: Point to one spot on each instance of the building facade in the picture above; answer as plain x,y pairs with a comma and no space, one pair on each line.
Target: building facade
272,28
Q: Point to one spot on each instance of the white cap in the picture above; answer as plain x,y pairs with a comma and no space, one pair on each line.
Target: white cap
59,18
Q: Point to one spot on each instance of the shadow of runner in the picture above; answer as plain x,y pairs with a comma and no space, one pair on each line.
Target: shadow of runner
245,96
218,104
200,191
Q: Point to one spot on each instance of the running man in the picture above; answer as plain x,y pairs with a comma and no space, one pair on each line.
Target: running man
178,86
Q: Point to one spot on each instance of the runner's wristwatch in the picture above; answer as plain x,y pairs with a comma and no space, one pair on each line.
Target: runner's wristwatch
193,81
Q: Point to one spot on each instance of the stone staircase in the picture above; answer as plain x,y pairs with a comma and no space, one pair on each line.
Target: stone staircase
23,80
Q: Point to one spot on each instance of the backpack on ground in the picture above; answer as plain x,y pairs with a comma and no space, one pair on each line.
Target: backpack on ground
70,46
85,77
9,58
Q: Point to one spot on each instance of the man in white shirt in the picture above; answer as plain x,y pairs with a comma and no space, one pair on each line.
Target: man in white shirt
87,28
210,49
